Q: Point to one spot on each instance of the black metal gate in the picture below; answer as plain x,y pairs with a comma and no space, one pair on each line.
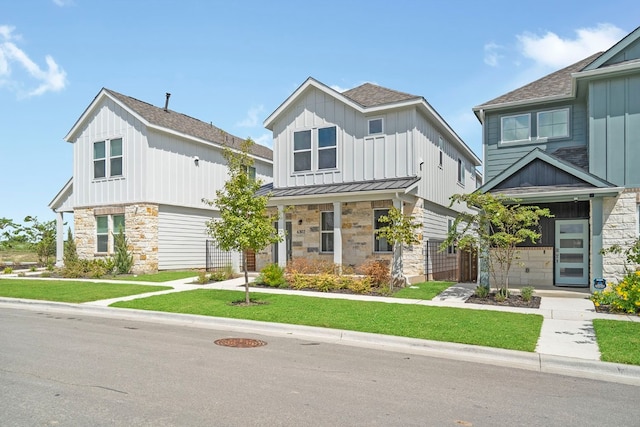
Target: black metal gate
450,264
216,257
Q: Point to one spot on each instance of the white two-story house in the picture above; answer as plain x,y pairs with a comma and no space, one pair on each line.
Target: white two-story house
145,169
341,160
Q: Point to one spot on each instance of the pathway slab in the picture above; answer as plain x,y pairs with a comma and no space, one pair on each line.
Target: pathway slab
570,338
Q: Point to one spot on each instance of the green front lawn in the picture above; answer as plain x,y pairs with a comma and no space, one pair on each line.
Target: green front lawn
480,327
423,291
163,276
619,340
70,291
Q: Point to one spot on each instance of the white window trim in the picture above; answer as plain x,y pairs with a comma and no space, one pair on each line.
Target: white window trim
111,232
323,232
515,141
107,159
451,249
461,172
568,135
440,152
294,151
369,126
315,150
375,233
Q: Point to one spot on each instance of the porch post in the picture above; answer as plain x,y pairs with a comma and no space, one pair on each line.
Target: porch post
282,245
596,241
337,235
59,239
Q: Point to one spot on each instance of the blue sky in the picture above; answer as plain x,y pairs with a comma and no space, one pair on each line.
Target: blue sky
233,62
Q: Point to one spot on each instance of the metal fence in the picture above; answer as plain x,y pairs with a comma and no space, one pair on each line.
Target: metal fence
216,257
440,265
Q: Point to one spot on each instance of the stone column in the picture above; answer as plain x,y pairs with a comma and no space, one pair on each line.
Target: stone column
337,236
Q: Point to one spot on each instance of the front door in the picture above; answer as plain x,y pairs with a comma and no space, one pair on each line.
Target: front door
572,252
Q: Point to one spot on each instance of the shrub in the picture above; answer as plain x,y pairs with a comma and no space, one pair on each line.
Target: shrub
123,259
272,275
621,297
7,270
220,274
203,278
70,250
482,291
527,293
310,266
502,294
377,271
358,285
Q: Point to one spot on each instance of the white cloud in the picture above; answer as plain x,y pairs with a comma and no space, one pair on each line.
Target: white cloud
265,139
63,3
491,55
52,78
552,51
252,119
338,88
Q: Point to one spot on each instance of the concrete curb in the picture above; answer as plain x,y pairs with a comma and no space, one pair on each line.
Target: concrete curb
604,371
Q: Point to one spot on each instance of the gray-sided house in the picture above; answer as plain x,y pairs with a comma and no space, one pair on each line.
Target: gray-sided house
145,169
570,141
341,160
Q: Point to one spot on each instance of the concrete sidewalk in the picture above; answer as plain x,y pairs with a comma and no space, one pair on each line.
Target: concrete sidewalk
566,344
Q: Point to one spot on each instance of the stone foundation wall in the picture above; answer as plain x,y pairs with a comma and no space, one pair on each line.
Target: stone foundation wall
620,227
534,267
141,230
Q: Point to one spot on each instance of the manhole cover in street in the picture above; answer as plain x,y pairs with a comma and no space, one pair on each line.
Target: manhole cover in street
240,342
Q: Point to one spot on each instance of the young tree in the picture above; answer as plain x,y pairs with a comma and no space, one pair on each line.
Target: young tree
494,226
70,253
42,235
400,230
244,224
123,259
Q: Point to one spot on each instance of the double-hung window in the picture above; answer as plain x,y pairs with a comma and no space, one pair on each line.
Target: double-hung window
315,149
107,158
461,171
381,244
302,151
451,249
326,231
516,128
440,147
107,226
553,124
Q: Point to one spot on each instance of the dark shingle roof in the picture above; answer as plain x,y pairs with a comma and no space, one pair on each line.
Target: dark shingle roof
187,125
554,84
382,184
370,95
577,155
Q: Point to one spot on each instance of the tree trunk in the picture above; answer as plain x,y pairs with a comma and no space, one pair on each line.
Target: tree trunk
246,278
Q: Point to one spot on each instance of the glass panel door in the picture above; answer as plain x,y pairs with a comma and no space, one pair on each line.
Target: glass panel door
572,253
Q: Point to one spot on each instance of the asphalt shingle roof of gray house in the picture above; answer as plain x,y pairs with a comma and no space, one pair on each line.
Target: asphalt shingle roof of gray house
370,95
382,184
187,125
554,84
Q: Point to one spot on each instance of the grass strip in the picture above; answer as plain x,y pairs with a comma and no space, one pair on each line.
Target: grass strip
619,341
422,291
480,327
70,291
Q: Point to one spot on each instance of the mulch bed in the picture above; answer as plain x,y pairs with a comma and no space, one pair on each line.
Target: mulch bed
511,301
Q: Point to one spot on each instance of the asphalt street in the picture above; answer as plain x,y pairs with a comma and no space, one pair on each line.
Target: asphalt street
74,370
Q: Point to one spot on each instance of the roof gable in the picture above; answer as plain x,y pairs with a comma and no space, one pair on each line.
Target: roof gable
370,95
534,169
626,49
168,121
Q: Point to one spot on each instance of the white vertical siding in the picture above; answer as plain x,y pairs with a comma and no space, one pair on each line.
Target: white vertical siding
182,237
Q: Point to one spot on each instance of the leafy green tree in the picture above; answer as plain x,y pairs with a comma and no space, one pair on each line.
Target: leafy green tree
244,224
42,236
11,234
494,226
70,253
399,230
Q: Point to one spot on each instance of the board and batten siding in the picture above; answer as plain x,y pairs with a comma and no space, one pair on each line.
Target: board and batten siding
182,237
360,157
110,121
614,128
499,157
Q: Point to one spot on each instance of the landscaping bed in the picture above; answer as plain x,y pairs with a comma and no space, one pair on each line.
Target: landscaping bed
511,301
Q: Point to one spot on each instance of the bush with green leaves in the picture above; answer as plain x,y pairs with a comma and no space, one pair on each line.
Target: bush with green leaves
70,253
481,291
526,293
7,270
123,259
622,297
272,275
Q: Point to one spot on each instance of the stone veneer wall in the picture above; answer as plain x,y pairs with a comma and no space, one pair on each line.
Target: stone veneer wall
357,236
620,227
141,229
534,267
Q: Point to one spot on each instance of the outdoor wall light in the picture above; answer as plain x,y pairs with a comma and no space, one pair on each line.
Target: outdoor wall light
299,222
196,160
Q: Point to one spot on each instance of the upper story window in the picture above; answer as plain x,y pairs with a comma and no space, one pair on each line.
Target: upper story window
516,128
107,158
461,171
251,173
327,148
553,124
326,231
380,245
317,146
441,148
375,126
